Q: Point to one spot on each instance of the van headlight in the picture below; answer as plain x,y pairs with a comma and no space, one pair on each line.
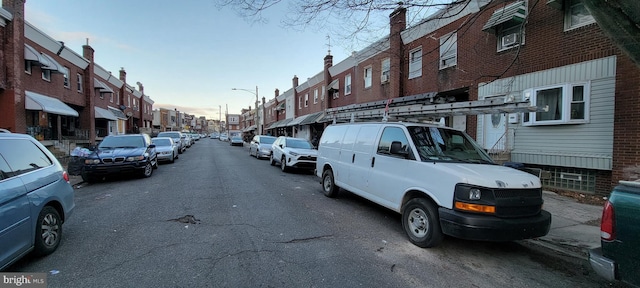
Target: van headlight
469,198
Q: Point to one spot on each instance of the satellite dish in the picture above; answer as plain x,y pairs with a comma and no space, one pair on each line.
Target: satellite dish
129,114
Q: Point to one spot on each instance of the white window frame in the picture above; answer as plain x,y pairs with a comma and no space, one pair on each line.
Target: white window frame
506,30
79,79
28,67
567,94
46,75
385,70
117,97
129,101
576,6
299,102
415,63
306,100
347,84
367,76
448,50
315,96
67,81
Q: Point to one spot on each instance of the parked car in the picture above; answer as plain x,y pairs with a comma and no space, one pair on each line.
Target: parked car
214,135
177,138
35,198
224,137
260,146
236,141
166,149
618,257
292,152
121,154
437,178
187,140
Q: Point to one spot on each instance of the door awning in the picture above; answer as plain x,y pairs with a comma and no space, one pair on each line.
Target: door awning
313,118
297,120
35,101
118,113
273,125
102,113
512,14
52,64
250,128
283,123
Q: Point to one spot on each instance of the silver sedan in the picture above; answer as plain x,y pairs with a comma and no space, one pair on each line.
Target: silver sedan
166,149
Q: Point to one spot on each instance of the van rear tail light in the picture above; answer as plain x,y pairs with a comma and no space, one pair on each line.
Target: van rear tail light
65,176
608,224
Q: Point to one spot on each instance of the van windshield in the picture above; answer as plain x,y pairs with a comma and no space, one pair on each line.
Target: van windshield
439,144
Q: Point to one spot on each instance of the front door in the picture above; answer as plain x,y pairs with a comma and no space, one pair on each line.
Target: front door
494,129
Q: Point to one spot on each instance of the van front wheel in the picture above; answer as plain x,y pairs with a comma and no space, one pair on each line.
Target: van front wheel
328,184
420,222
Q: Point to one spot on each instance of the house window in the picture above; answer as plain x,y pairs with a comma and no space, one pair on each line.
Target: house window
510,36
66,77
448,50
367,77
576,15
415,63
306,100
300,102
46,75
347,84
111,98
27,67
567,104
117,97
79,79
385,70
128,100
315,96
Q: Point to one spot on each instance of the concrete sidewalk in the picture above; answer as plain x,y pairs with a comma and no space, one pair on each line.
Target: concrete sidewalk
575,227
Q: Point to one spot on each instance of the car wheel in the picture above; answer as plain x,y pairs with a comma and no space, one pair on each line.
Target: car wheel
87,178
328,184
48,231
148,170
283,164
271,161
420,222
155,163
173,157
180,151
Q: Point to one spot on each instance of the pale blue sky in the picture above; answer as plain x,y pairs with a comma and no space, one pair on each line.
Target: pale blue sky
188,54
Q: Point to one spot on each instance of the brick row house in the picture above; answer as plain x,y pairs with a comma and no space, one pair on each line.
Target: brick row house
552,55
58,96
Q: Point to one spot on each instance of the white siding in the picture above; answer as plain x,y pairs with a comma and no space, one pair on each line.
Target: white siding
587,145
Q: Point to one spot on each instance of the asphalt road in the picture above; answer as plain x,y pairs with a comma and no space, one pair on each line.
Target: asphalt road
255,226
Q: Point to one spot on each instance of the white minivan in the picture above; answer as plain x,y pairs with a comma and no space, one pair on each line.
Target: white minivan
438,178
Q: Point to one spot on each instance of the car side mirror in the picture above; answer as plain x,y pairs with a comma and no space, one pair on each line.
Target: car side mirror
281,146
152,146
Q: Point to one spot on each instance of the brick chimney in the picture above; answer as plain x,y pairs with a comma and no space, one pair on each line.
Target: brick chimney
398,23
328,62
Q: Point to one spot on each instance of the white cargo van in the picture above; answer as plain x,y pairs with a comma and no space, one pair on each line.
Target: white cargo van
438,178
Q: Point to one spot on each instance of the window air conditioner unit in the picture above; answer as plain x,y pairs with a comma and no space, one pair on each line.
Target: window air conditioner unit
384,78
510,40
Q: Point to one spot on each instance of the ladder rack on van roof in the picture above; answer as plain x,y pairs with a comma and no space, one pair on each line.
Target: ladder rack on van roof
421,108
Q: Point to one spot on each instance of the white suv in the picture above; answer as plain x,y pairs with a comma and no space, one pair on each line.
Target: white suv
292,152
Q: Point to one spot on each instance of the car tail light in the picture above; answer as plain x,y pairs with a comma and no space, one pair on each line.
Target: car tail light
65,176
608,224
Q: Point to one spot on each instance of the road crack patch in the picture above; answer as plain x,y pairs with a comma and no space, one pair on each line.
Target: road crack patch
189,219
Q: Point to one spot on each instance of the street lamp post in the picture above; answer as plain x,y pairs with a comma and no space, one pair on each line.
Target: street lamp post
256,107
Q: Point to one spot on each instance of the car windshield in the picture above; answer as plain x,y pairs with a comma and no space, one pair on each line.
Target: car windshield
121,142
161,142
267,140
439,144
299,143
